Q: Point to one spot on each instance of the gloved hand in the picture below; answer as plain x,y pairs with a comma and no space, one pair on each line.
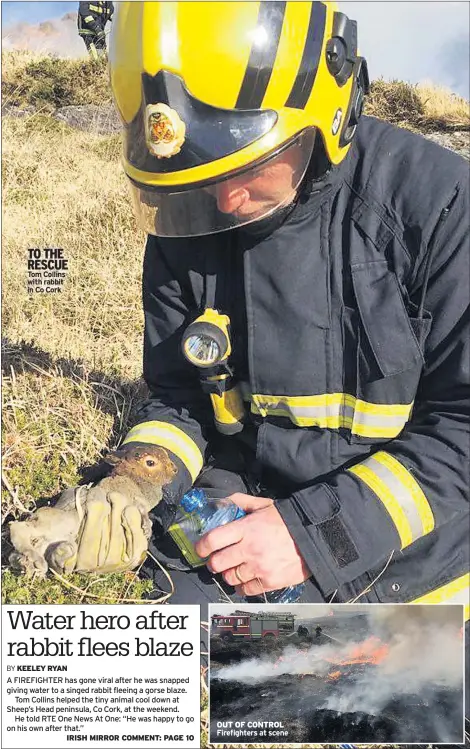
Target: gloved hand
102,528
100,35
112,537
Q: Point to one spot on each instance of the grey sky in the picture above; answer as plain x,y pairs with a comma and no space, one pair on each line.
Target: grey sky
306,610
415,41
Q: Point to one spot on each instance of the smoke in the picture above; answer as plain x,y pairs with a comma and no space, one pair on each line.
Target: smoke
424,659
454,60
291,661
425,644
425,655
57,37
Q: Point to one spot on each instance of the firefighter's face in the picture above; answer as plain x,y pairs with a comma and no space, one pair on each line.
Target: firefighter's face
256,193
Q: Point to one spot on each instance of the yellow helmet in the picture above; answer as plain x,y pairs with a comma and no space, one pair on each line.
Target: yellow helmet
211,92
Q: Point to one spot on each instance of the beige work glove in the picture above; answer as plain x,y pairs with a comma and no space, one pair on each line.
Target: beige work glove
88,530
111,536
101,528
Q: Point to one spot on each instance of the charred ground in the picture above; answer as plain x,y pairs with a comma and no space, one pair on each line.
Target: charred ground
315,705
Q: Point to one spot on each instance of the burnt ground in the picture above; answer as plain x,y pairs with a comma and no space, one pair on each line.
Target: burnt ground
298,703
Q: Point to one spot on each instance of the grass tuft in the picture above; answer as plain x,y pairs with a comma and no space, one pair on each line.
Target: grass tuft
420,107
19,589
50,82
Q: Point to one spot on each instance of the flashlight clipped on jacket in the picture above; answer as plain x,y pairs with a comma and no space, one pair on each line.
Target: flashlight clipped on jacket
206,344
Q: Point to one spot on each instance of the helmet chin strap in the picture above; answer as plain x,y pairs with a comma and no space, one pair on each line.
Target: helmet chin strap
318,168
266,226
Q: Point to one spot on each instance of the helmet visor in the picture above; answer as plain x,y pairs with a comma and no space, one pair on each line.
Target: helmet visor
229,201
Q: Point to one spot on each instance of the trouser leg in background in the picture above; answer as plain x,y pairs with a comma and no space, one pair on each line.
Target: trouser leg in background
96,46
90,44
100,44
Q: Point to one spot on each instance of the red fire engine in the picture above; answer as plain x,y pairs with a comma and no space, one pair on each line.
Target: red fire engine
250,625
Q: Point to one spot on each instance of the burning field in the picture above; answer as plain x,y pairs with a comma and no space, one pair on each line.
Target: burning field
402,683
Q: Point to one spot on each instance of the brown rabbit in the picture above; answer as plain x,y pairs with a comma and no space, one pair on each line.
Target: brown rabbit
50,535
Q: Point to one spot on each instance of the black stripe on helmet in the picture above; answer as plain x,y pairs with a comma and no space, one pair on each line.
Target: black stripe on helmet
306,75
262,56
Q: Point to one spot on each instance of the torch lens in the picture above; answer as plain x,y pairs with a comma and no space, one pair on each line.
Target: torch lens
201,348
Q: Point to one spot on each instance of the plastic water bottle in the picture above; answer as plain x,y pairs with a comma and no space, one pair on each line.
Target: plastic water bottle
200,514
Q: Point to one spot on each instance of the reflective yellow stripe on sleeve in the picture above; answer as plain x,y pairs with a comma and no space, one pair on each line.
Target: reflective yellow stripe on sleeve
457,591
171,437
334,411
400,494
95,8
89,18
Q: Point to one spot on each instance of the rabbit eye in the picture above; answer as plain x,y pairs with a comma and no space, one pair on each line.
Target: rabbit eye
150,462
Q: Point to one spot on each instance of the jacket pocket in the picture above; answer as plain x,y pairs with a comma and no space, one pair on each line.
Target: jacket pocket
325,507
390,354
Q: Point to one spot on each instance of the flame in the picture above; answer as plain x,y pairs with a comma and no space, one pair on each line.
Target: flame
371,650
334,675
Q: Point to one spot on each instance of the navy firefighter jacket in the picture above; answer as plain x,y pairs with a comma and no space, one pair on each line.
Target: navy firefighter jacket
349,327
95,15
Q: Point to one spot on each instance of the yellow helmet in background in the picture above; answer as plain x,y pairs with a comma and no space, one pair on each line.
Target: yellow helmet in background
209,91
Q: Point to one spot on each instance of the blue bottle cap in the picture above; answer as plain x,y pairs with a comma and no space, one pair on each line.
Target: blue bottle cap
193,500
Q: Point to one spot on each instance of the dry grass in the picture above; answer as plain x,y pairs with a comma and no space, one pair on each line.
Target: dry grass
47,82
119,588
57,417
63,188
72,361
421,107
443,109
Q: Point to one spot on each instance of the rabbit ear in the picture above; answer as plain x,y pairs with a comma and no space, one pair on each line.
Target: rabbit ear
124,451
112,458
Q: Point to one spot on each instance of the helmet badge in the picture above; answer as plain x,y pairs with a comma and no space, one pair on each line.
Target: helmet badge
164,130
336,121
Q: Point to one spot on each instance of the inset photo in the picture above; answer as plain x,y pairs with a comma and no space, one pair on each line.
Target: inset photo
366,673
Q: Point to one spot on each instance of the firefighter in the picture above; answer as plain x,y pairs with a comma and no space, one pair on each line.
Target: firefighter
92,19
318,631
337,247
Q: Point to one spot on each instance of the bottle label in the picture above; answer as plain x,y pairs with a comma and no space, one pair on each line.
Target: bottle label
179,533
